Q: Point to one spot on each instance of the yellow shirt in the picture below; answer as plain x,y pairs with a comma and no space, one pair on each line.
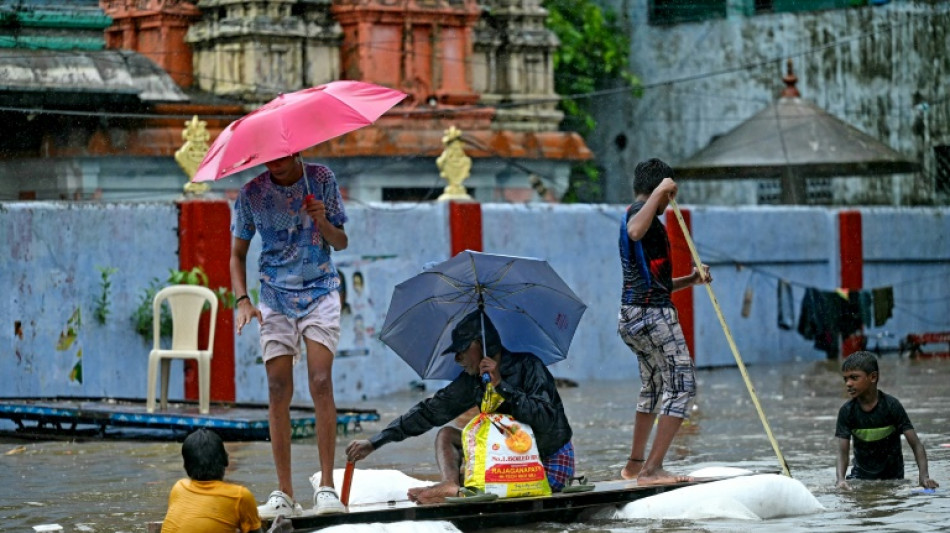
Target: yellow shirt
210,507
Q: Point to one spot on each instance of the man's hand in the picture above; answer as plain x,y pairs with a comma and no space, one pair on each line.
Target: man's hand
247,312
490,366
928,483
358,449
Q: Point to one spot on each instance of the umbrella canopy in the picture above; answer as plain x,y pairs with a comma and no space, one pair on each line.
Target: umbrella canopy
294,122
793,139
532,308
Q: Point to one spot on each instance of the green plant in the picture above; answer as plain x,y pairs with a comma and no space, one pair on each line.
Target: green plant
593,56
195,276
101,312
142,316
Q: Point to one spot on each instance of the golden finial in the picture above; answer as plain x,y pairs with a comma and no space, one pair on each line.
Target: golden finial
190,155
454,166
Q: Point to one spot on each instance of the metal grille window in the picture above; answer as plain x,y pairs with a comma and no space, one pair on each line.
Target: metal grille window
942,160
770,191
780,6
818,191
663,12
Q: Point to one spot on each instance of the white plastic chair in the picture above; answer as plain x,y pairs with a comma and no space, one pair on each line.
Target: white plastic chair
187,303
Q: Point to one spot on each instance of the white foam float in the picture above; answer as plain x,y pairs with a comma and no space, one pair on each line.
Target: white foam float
379,486
744,497
396,527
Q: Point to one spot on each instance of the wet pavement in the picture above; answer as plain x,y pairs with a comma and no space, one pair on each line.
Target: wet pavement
111,486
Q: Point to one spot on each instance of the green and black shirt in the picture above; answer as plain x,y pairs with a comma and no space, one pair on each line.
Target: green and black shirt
875,436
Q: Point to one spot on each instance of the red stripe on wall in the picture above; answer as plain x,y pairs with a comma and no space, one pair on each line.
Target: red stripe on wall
205,240
851,249
465,226
682,261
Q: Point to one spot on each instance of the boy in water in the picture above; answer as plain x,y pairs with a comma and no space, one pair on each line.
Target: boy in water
205,502
875,422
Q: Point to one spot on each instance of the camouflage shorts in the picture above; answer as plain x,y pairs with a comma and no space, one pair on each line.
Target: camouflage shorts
667,372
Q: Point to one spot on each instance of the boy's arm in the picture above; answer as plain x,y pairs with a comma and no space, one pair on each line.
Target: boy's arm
238,266
844,450
693,279
640,222
921,456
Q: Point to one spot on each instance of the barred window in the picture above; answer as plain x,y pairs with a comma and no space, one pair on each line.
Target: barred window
663,12
942,164
780,6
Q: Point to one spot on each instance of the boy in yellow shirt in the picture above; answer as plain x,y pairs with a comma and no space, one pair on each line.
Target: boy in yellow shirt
204,503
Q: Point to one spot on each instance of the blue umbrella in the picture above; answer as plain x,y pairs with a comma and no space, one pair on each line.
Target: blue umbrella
529,304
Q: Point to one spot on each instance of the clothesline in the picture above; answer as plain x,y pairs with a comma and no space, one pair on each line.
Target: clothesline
723,258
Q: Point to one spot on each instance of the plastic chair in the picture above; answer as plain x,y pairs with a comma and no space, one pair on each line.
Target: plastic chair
187,302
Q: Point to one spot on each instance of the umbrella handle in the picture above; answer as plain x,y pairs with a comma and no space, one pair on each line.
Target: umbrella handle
486,377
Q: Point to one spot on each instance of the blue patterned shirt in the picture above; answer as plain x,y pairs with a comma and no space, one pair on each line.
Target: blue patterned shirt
295,265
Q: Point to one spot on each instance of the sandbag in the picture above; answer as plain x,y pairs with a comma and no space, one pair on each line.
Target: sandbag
501,455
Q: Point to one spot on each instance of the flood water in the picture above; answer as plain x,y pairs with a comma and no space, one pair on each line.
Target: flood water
120,486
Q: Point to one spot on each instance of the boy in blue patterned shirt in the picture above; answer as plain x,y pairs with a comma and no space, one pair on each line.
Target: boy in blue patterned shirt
297,210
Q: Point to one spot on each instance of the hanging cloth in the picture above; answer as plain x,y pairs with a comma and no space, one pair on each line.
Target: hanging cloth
786,306
866,304
819,319
883,305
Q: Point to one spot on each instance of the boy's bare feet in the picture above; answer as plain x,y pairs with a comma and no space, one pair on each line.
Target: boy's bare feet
661,477
632,469
434,494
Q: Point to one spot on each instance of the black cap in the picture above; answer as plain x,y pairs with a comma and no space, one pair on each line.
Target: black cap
470,328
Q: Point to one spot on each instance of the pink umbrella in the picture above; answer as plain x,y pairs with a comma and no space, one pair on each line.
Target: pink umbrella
294,122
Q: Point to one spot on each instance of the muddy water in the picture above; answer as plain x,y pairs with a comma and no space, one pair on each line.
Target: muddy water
112,486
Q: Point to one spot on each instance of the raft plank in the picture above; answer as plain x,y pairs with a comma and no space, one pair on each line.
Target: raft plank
559,507
70,416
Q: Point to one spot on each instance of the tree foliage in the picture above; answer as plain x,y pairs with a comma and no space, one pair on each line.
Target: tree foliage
593,56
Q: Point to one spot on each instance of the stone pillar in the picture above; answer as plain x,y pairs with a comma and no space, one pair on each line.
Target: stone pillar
257,49
514,63
321,51
155,29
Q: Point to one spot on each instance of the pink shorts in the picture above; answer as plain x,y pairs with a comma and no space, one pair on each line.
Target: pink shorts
282,335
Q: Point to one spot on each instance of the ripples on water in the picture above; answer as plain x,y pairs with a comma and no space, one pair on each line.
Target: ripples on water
112,486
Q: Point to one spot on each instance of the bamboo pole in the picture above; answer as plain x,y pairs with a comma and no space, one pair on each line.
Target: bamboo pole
732,343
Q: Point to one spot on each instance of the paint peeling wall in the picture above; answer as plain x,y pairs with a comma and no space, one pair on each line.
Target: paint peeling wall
53,253
51,342
883,69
